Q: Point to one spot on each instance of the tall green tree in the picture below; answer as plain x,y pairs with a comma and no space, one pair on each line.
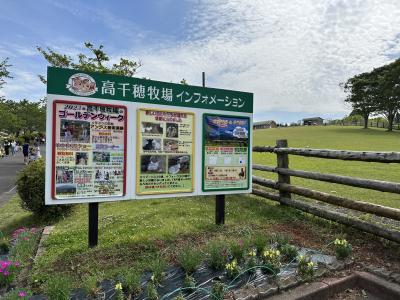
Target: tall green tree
24,115
361,91
4,71
97,61
376,92
388,78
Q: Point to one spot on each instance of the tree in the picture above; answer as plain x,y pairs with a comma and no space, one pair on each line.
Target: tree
388,78
98,62
4,72
376,92
362,96
22,116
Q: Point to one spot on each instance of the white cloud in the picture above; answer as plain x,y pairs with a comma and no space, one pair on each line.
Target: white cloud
291,54
24,85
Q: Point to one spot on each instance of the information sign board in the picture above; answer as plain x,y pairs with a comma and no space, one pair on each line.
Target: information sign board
112,138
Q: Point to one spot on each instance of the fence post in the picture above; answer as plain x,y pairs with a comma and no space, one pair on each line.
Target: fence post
283,162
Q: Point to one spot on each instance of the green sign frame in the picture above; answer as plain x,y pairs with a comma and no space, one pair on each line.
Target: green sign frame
204,154
70,82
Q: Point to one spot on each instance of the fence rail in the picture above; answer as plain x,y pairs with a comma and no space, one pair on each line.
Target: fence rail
368,156
286,189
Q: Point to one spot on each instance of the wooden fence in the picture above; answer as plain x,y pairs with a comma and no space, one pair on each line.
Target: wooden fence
377,124
286,189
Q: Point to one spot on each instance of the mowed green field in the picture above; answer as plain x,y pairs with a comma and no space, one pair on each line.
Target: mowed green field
133,233
341,138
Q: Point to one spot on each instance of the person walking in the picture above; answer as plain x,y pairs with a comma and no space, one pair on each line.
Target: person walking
7,146
13,147
37,149
25,151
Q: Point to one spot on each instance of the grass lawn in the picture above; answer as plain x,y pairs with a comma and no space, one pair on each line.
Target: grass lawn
341,138
134,233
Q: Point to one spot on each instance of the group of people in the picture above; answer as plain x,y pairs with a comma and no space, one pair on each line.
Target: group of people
30,151
10,148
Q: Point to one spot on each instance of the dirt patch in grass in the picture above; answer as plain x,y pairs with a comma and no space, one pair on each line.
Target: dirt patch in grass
300,234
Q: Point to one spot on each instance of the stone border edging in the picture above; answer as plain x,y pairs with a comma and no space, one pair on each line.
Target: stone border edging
325,289
45,234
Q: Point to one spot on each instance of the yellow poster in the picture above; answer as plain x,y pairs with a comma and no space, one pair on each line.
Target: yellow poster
165,152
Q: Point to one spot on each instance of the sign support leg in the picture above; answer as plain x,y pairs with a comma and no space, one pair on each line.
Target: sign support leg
220,209
93,224
219,199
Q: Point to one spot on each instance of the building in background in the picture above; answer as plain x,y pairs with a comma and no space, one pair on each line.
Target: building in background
264,124
313,121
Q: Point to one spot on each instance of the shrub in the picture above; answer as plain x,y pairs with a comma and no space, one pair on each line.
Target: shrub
30,186
189,283
4,246
151,291
157,267
119,294
305,267
90,284
232,269
217,254
272,260
130,280
58,288
237,249
251,260
289,252
342,248
179,297
190,259
217,290
259,242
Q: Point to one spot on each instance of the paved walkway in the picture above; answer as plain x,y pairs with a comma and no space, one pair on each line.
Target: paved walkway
9,168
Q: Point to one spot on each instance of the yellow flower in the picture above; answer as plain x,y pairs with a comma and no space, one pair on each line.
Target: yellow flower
118,286
310,264
252,253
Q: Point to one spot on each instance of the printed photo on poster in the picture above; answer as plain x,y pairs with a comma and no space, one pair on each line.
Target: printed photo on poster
172,130
72,131
178,164
64,175
151,144
164,152
153,164
171,145
82,158
226,152
101,157
149,128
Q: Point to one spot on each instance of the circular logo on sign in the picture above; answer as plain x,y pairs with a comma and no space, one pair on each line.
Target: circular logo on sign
81,84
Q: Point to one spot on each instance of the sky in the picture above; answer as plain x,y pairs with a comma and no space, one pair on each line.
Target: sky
292,54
